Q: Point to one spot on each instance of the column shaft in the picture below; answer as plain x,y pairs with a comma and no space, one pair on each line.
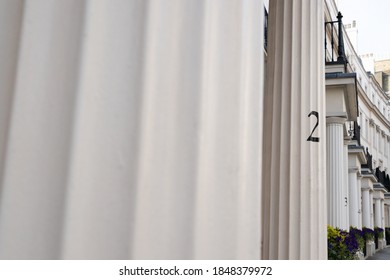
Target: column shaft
345,190
388,216
382,213
335,168
366,208
360,202
294,168
372,222
353,198
131,129
378,214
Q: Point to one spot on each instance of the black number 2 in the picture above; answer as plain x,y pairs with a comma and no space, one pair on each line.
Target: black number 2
311,138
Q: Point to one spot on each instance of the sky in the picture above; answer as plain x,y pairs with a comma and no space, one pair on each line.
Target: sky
373,23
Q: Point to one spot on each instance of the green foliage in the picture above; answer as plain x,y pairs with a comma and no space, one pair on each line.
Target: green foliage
379,233
359,237
341,244
368,234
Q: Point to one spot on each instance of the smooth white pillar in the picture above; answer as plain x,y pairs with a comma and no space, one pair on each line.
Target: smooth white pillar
366,208
353,197
133,129
335,170
378,214
294,168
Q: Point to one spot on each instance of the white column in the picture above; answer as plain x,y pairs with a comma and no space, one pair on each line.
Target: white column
382,213
345,187
335,170
11,16
133,129
360,201
366,208
372,203
353,197
386,215
378,214
40,92
294,168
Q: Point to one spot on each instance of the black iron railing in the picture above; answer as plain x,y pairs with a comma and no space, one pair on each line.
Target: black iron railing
383,178
368,165
356,132
331,26
387,182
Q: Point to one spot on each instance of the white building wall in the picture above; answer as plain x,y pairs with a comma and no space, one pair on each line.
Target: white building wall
373,109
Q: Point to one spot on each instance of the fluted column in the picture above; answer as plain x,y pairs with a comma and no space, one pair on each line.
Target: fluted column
359,199
353,197
40,95
372,203
335,170
131,129
382,213
11,16
345,190
388,216
366,208
294,164
378,214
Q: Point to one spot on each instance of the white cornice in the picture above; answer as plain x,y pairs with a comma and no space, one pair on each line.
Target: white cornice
363,97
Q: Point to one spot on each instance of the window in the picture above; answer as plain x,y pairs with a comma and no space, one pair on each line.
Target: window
366,129
387,148
381,141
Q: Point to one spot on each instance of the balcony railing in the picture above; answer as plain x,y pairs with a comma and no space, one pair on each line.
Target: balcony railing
356,132
383,178
330,26
368,165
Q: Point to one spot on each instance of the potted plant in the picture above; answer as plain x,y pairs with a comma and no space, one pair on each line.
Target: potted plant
341,244
379,235
368,235
359,235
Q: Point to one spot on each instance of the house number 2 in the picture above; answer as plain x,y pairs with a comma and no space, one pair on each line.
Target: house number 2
311,138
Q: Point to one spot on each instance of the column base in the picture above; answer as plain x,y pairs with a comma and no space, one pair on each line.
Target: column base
381,244
359,255
370,248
